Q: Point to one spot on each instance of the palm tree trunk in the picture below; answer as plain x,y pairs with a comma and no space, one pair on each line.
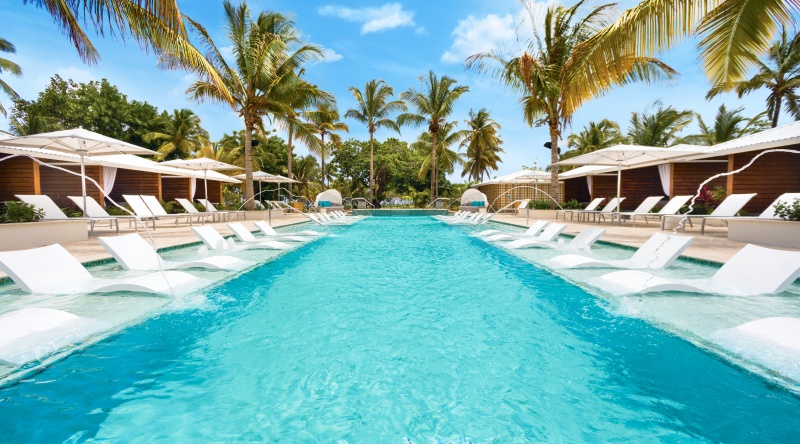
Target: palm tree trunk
434,174
371,165
289,159
249,202
322,157
554,191
777,111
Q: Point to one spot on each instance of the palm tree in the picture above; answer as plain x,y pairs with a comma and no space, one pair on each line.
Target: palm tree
182,136
433,104
373,109
728,125
593,137
553,75
659,128
307,172
446,158
780,74
325,121
483,145
222,152
263,80
13,68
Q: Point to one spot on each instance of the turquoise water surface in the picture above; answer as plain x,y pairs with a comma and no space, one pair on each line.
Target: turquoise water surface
396,330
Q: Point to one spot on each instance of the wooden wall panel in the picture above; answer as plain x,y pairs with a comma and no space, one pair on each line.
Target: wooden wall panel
577,189
688,176
135,182
58,184
637,185
770,176
17,176
175,187
214,190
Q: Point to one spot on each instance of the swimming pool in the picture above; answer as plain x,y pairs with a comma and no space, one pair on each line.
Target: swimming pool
396,329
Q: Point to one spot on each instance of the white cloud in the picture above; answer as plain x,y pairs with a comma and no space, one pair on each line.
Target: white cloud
330,56
421,31
374,19
474,35
76,74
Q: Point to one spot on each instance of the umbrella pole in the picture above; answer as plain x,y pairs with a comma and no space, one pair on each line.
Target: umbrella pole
83,184
205,182
619,190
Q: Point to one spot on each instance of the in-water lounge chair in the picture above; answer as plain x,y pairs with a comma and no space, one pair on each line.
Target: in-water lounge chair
190,209
53,212
751,271
781,330
95,211
244,235
726,210
65,275
549,234
645,207
214,241
270,232
533,230
132,252
591,207
584,240
660,251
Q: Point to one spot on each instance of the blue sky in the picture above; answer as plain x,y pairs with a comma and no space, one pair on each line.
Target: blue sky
393,41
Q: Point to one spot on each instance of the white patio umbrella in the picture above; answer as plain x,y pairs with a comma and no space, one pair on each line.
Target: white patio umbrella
261,176
630,156
202,164
83,142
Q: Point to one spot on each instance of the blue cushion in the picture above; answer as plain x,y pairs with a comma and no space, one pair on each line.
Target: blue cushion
324,203
477,203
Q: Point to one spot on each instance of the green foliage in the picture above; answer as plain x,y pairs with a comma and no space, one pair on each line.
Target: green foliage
16,211
172,207
113,210
540,204
788,211
572,204
660,127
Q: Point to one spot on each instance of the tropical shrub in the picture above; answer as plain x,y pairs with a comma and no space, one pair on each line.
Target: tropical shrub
572,204
540,204
114,210
15,212
788,211
706,201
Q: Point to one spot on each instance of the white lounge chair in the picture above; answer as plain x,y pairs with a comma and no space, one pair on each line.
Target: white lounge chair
142,211
52,270
460,214
660,251
512,208
671,208
159,212
244,235
478,219
189,208
214,241
268,231
532,231
591,207
132,252
53,212
31,334
751,271
584,240
612,206
333,220
468,217
212,209
726,210
782,330
646,207
769,213
95,211
549,234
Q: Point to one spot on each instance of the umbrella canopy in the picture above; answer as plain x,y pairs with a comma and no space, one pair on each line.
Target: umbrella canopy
202,164
83,142
630,156
522,176
261,176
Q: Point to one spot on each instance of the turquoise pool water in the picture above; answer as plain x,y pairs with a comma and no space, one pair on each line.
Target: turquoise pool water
396,330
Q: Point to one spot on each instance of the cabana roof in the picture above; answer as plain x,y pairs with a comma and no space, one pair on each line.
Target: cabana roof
771,138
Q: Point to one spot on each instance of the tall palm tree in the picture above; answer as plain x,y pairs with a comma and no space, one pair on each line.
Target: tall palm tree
373,109
780,74
728,125
552,75
433,104
221,152
234,145
326,122
307,172
13,68
182,135
659,128
446,158
483,145
263,80
593,137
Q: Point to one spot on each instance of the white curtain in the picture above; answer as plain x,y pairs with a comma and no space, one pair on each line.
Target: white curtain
109,176
192,188
664,171
589,184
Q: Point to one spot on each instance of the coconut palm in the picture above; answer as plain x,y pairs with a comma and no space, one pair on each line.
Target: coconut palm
11,67
267,54
373,109
182,135
446,158
483,145
780,74
306,172
433,105
326,122
659,128
728,125
221,152
553,75
593,137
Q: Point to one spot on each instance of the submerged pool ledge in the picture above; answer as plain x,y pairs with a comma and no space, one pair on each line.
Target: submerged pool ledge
400,212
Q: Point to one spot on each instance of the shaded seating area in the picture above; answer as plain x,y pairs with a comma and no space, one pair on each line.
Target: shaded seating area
328,200
473,201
